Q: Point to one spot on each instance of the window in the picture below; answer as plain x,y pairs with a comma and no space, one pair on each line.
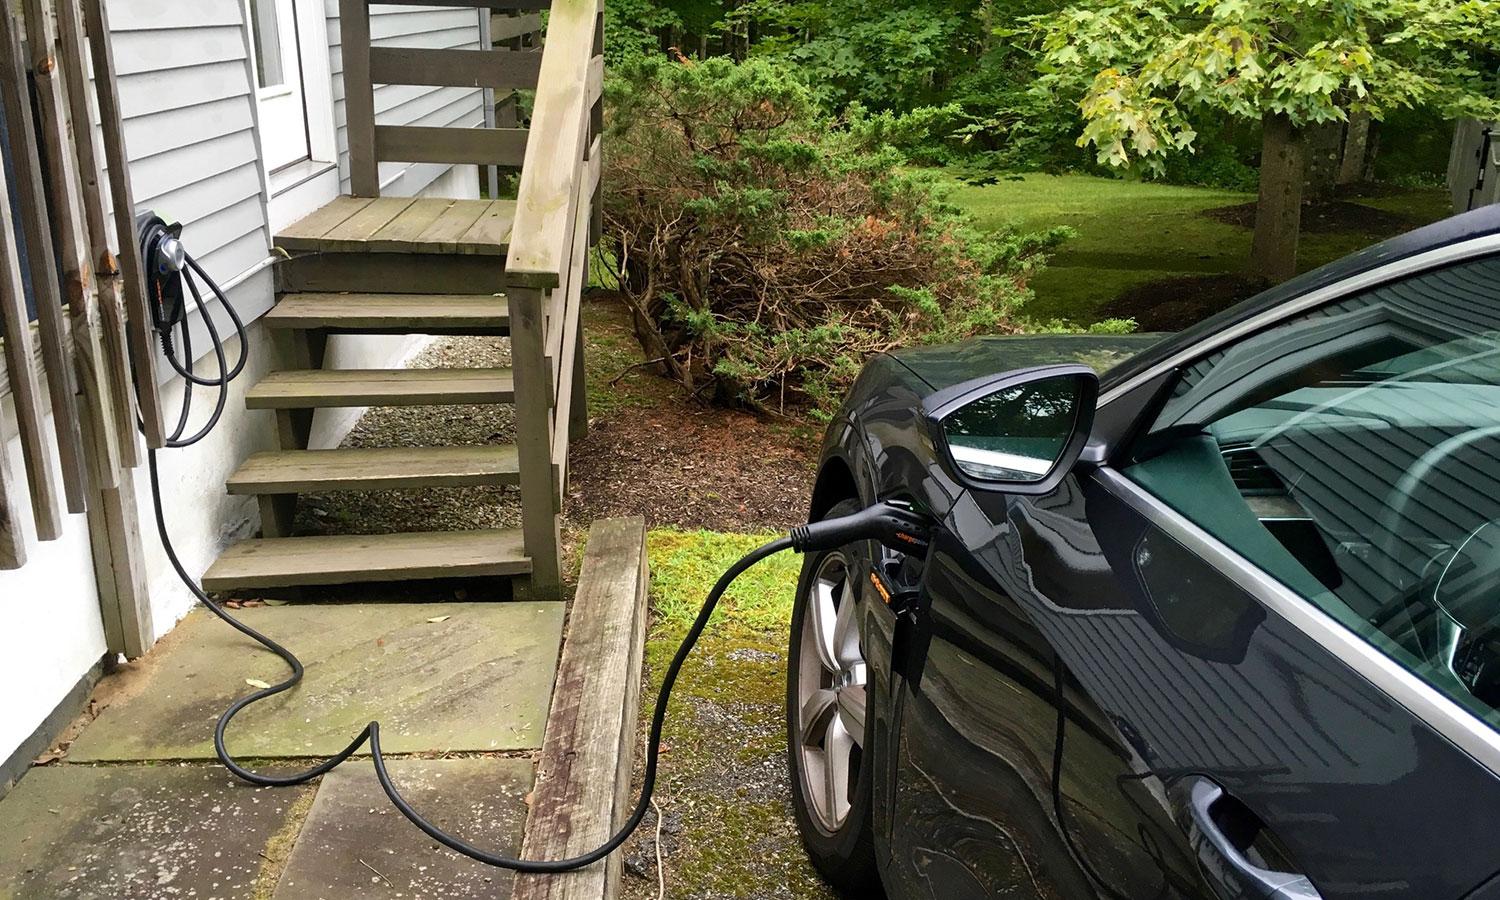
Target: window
1354,454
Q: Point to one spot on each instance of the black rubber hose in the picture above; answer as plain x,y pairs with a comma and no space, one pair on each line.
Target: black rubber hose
371,732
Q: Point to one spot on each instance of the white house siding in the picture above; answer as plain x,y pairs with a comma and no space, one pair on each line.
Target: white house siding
190,129
411,26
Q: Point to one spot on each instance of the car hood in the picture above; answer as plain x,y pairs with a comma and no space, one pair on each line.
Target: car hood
952,364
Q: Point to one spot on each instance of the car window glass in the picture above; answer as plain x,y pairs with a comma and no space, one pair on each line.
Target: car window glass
1353,453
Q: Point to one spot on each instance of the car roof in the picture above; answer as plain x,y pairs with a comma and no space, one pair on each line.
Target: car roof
1476,223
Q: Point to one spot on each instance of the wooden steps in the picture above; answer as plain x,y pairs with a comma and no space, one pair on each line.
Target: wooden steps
360,559
404,225
330,388
400,468
392,313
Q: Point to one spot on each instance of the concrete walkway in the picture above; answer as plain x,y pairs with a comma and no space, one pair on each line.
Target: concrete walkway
140,809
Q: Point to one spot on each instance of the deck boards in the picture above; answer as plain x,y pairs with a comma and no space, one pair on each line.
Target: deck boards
330,388
395,468
415,313
404,225
358,559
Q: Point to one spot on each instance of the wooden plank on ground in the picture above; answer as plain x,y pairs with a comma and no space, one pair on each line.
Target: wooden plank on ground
333,388
115,339
360,559
15,93
498,69
428,144
142,346
582,791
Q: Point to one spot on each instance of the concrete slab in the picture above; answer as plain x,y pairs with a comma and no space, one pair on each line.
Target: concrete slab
130,832
355,844
480,679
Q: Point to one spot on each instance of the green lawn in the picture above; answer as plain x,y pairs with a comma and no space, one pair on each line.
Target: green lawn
1133,232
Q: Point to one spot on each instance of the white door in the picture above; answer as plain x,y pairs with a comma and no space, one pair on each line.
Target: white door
279,81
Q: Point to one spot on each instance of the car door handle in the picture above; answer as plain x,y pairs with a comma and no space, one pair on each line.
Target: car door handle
1224,863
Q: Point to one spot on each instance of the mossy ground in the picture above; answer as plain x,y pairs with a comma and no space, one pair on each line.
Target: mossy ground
727,827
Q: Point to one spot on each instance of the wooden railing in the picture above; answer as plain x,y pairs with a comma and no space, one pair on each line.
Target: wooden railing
88,354
499,72
548,268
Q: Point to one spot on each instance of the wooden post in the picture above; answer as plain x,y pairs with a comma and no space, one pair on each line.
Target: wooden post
62,186
24,381
15,93
119,561
116,358
359,97
142,347
540,519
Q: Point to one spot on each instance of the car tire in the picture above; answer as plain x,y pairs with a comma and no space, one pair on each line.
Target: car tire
842,848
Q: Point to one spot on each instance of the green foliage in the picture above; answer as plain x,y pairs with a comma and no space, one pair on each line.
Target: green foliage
766,252
1141,68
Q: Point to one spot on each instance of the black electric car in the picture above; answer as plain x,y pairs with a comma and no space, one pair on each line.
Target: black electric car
1220,622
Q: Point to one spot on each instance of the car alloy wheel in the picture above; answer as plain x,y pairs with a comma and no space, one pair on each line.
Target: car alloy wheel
830,694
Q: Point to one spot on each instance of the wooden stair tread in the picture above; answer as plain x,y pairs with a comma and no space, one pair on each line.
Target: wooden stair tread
398,312
404,225
326,388
310,471
353,559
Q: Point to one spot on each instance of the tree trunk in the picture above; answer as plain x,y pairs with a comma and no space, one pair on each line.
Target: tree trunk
1322,146
1278,214
1356,143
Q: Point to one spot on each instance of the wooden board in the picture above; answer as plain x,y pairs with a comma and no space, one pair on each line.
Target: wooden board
582,791
112,316
545,210
427,144
138,322
403,273
332,388
12,540
25,381
15,91
409,312
352,234
90,359
404,225
359,97
384,469
404,230
506,27
505,70
358,559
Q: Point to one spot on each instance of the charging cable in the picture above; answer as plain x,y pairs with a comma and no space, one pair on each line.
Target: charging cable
896,525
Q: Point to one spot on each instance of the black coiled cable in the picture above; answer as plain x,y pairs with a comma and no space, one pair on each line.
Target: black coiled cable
371,732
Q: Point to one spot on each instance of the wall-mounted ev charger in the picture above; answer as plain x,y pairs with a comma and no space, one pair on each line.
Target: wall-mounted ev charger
172,277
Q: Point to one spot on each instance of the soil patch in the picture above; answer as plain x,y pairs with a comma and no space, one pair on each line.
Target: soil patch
1325,217
1172,304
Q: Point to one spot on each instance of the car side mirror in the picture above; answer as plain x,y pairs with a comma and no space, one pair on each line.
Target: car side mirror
1021,432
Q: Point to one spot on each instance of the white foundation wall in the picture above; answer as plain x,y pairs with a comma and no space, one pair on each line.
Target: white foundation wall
50,631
